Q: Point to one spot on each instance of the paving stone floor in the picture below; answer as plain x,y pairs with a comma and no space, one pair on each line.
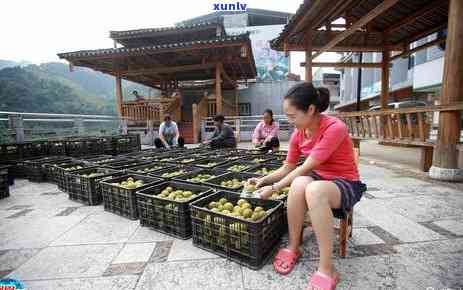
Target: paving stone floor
408,234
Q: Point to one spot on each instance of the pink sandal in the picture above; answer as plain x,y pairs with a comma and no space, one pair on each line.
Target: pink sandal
285,260
320,281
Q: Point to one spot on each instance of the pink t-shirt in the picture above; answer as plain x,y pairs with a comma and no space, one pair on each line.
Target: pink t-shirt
263,131
331,145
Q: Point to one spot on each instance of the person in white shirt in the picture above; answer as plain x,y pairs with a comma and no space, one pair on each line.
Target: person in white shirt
169,135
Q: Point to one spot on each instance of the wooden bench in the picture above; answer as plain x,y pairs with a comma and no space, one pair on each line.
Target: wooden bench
427,149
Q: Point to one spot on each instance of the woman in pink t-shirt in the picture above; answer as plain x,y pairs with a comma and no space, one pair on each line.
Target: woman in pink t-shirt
326,183
265,136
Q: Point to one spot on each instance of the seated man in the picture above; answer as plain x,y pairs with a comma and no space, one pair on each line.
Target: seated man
223,136
169,135
138,98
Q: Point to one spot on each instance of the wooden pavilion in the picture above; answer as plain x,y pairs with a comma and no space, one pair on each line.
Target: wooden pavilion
199,57
389,27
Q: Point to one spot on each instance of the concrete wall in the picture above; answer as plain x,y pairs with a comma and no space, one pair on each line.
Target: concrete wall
266,95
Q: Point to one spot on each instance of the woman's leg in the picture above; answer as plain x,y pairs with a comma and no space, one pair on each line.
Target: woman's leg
297,207
321,197
158,143
274,143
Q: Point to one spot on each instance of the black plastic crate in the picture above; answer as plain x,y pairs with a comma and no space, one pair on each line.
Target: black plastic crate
103,160
185,169
34,149
188,159
10,175
240,176
151,156
171,217
210,162
234,166
10,152
123,201
67,167
35,170
84,184
260,169
125,144
148,168
123,164
56,147
88,158
187,177
254,152
85,146
259,159
4,184
247,242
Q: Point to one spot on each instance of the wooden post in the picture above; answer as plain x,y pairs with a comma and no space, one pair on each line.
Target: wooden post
196,124
384,89
308,55
445,164
119,97
218,89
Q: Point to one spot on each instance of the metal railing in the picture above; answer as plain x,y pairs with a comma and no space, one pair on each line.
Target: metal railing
20,127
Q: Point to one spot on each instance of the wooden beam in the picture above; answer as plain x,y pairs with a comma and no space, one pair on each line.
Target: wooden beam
411,18
300,47
218,89
418,48
378,10
345,64
421,34
226,76
168,69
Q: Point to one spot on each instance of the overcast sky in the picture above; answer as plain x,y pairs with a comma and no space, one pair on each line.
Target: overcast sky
37,30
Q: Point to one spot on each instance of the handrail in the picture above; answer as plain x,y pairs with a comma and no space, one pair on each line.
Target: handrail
59,115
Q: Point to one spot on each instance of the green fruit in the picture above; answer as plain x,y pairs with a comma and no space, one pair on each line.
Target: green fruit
219,207
212,205
228,206
246,205
255,216
131,185
169,189
225,211
214,209
187,194
223,201
258,209
247,213
241,201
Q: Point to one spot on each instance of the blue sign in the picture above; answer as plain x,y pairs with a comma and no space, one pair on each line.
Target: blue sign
11,284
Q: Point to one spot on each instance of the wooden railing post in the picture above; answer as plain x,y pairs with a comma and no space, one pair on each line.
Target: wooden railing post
238,129
203,130
195,123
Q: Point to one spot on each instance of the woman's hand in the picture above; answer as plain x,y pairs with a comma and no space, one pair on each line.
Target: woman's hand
258,182
264,192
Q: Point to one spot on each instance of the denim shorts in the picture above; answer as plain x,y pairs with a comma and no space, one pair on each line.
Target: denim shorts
351,193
